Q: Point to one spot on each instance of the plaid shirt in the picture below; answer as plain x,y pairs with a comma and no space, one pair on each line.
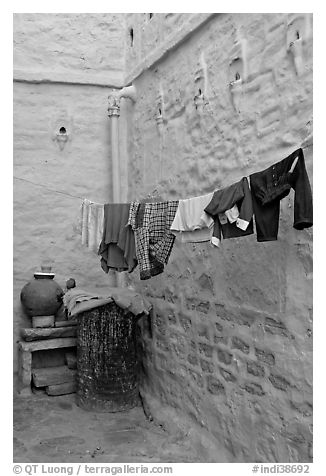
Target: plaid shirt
151,223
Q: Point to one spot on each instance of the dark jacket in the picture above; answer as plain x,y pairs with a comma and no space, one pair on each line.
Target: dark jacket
274,183
223,200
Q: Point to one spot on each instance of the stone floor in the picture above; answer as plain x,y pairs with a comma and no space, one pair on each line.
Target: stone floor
54,429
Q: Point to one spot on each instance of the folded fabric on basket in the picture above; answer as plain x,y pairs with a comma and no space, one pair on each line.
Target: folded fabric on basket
78,300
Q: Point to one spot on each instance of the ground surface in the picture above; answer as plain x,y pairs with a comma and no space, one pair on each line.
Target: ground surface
54,429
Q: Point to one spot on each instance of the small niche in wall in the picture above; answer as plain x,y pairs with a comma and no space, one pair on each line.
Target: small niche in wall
131,36
61,136
150,16
236,70
298,30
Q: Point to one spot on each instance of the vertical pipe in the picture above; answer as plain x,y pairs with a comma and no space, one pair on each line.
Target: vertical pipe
114,114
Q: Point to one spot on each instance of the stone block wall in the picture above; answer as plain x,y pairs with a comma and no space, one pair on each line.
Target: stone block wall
228,353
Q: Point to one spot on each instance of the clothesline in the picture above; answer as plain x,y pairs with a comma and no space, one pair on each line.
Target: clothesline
48,189
227,212
78,196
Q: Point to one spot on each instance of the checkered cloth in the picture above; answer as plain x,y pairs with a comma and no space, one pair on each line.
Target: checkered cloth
151,223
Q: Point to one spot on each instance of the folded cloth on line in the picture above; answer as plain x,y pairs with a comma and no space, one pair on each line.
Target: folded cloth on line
92,218
191,223
77,301
117,247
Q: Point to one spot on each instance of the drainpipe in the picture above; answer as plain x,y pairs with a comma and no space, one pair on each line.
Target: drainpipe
128,92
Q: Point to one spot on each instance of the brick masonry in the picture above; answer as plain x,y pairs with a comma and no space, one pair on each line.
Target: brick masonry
242,312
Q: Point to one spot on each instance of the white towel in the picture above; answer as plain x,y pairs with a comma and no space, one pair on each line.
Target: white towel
191,222
92,218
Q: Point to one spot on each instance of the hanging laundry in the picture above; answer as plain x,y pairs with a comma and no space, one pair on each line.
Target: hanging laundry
191,223
151,223
92,219
117,247
274,183
231,221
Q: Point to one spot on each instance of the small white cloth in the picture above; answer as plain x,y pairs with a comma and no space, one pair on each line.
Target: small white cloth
191,223
92,219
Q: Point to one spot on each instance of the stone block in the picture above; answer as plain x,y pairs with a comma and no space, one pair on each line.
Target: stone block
171,318
197,378
205,349
52,376
279,382
221,340
198,305
31,334
224,356
215,386
240,345
263,356
206,366
202,331
253,388
43,321
206,282
228,376
233,315
304,408
272,326
255,369
185,323
61,388
48,344
192,359
65,323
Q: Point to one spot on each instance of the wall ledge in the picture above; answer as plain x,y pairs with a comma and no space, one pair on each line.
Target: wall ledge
172,41
110,80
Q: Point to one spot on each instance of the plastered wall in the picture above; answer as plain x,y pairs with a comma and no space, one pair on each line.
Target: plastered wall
52,173
229,357
67,43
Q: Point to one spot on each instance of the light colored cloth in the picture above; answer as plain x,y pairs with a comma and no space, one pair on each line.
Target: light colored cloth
77,300
191,223
232,214
92,219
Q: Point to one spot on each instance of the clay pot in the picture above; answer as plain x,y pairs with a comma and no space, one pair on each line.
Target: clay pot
42,296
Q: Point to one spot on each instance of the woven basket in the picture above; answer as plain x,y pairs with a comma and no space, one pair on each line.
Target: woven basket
107,364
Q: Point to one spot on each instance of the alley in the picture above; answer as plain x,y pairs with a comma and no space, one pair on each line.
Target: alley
55,429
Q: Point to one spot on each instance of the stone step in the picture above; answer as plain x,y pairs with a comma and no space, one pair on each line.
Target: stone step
30,334
53,376
65,323
47,344
61,388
